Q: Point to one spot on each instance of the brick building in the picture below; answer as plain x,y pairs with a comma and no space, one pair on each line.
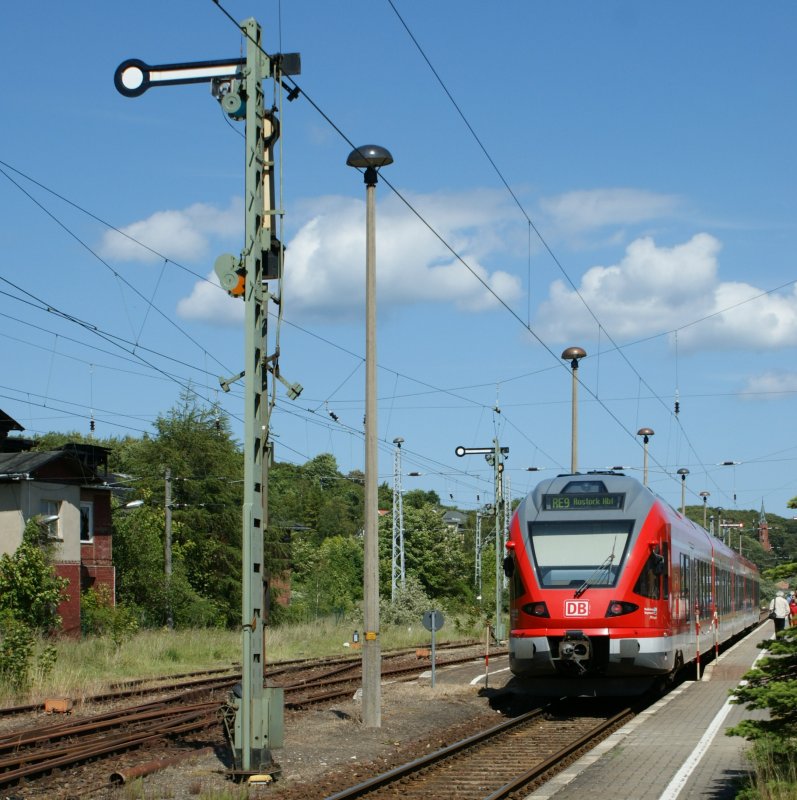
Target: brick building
68,489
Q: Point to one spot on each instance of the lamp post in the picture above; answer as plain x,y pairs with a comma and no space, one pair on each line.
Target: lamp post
683,472
573,354
645,433
370,158
705,495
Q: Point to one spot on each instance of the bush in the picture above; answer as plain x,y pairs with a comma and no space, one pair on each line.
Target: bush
775,775
772,685
16,651
29,588
409,606
29,595
100,617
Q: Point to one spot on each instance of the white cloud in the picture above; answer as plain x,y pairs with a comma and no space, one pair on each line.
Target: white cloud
753,320
325,259
773,385
586,210
654,289
208,303
178,235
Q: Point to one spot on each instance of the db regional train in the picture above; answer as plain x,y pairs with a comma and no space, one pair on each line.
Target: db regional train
612,590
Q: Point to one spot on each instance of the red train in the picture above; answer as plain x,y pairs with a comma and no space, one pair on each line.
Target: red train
613,590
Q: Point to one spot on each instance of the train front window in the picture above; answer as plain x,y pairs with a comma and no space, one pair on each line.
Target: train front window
568,555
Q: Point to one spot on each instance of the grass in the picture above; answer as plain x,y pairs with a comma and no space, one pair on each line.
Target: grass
774,774
90,665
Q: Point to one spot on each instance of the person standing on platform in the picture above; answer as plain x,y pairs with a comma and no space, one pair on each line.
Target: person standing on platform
779,611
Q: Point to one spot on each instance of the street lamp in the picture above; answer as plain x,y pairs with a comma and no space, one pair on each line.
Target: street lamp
128,506
573,354
370,158
683,472
645,433
705,495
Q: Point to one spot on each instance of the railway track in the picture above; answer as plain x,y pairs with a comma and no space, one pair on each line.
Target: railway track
34,753
295,674
345,677
495,763
44,751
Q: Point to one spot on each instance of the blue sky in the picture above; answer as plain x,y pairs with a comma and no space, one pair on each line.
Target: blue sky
649,150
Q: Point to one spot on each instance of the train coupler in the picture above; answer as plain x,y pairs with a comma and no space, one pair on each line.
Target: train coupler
575,649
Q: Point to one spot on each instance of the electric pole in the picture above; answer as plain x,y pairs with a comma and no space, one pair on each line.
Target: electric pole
477,576
397,574
167,548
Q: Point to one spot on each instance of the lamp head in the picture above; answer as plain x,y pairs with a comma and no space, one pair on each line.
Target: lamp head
645,433
573,354
369,157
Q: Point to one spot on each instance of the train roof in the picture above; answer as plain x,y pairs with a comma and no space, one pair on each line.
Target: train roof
590,493
584,489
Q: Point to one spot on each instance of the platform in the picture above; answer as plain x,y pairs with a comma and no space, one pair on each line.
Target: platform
677,749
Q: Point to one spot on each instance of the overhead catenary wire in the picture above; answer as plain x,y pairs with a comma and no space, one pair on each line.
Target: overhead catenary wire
322,393
432,389
114,272
298,91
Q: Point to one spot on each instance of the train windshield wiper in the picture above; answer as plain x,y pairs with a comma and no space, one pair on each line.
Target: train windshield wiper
606,565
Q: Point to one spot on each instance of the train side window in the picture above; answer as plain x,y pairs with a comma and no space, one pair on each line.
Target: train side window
649,579
686,580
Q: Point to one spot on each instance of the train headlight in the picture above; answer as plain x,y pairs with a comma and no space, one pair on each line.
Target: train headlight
536,609
619,607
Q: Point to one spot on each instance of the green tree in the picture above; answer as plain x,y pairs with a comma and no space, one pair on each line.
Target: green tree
409,605
138,554
194,442
315,496
432,553
327,577
418,498
340,577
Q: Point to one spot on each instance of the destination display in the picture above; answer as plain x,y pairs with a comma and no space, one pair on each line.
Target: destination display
583,502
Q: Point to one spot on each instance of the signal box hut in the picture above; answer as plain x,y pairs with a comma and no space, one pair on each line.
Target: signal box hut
68,489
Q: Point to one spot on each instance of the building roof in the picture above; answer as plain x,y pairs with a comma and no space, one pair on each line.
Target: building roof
27,466
8,424
453,517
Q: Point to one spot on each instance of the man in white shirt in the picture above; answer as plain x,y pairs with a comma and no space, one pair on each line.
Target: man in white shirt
780,608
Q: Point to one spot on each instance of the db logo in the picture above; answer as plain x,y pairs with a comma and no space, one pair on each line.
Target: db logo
576,608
